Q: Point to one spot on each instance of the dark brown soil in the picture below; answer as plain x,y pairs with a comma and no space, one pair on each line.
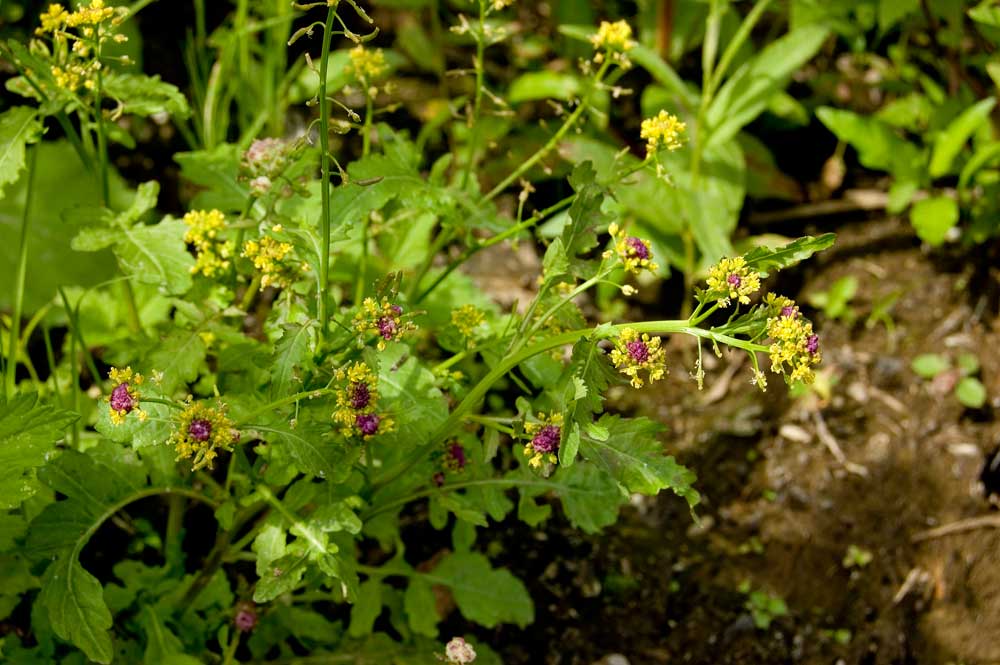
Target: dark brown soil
780,511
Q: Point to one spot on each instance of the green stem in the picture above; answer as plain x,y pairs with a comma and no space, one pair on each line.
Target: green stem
477,105
324,144
366,130
284,401
553,141
249,294
102,147
359,285
131,308
19,280
175,523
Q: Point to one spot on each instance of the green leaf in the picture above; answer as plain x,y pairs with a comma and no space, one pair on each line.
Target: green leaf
746,94
767,259
932,218
485,595
585,382
19,126
217,172
292,355
929,365
366,608
968,363
950,142
29,431
410,396
634,457
591,498
312,449
987,13
421,607
971,392
75,603
544,84
162,646
144,95
665,75
157,255
878,145
180,356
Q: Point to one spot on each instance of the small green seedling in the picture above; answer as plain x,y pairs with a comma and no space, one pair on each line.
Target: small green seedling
968,389
763,607
835,302
857,557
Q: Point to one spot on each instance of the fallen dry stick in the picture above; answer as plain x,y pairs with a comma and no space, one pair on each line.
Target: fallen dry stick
960,526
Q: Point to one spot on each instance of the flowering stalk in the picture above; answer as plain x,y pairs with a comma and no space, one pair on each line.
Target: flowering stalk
324,143
477,103
552,142
22,271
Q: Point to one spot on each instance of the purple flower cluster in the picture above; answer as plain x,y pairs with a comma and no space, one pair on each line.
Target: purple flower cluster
121,399
638,350
200,429
547,439
367,423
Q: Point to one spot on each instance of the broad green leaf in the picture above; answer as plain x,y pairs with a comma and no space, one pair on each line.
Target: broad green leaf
746,94
591,498
950,142
144,95
932,218
216,172
665,75
29,431
878,145
890,12
929,365
987,13
313,450
366,608
485,595
180,356
292,356
156,254
75,603
584,384
409,395
282,576
634,457
19,126
766,259
162,646
543,84
61,182
971,392
420,605
968,363
586,218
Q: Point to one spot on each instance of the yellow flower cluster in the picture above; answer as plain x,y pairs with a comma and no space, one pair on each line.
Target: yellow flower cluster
635,253
124,397
213,254
546,435
615,36
357,396
368,65
501,4
75,68
634,353
380,318
466,319
201,431
732,279
794,347
663,130
270,258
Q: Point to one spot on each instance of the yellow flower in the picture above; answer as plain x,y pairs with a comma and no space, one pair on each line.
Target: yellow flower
634,353
662,131
52,19
368,65
94,14
124,397
380,318
546,435
466,319
203,231
732,279
635,253
501,4
357,395
794,347
615,36
269,257
201,431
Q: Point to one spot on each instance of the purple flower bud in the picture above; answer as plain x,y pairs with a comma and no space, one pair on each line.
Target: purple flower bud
200,429
734,280
367,423
360,396
547,439
438,479
397,310
121,400
637,247
246,617
387,327
812,344
457,454
788,311
638,350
